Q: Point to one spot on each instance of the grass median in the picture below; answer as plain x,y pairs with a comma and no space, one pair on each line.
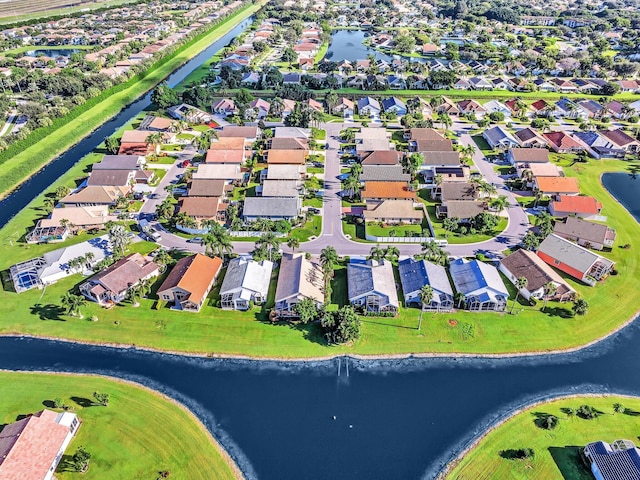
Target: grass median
21,166
138,435
556,451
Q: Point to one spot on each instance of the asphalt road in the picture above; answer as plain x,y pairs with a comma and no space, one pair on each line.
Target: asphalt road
332,234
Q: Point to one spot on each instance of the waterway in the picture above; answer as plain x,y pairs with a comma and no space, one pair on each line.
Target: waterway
393,419
52,52
348,45
624,187
20,198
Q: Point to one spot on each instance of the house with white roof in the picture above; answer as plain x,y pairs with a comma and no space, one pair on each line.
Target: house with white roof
246,281
372,286
480,284
498,137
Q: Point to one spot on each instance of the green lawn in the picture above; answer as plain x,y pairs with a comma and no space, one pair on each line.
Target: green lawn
394,230
557,451
139,434
315,202
21,166
312,228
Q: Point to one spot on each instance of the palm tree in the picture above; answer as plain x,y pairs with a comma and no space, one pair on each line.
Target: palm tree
49,204
293,243
165,209
376,253
459,298
580,307
549,289
270,242
450,224
328,260
162,259
521,283
426,296
203,142
217,242
119,240
155,139
352,186
487,188
499,204
432,252
137,291
391,252
73,303
445,120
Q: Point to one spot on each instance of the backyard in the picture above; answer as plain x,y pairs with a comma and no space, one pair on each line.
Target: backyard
137,435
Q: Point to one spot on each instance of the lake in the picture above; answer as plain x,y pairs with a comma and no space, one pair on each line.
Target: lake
625,188
347,45
400,419
52,52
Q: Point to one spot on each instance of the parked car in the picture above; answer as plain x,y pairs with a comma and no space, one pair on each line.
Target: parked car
195,240
314,210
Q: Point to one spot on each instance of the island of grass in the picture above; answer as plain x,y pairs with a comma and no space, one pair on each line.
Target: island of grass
556,451
139,434
217,332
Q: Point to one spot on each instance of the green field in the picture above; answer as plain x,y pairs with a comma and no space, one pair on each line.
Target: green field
21,166
24,10
557,451
138,435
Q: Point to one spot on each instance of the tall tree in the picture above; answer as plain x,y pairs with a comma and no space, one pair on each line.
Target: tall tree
112,144
426,297
217,241
73,303
521,283
549,289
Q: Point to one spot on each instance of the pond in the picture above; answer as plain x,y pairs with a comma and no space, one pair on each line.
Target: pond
52,52
348,45
624,187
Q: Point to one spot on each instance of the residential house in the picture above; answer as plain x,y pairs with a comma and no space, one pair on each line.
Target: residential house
250,134
592,108
622,140
189,113
227,157
156,124
523,263
587,234
527,156
369,106
480,285
616,461
33,446
598,145
462,210
565,108
70,219
261,107
272,208
344,106
96,195
371,139
479,83
286,157
111,285
384,173
394,105
190,281
387,191
299,279
120,162
466,107
382,157
245,282
228,172
498,107
448,191
574,260
415,274
280,188
107,178
284,172
207,187
538,170
371,286
560,142
286,143
203,209
393,212
575,205
225,106
498,137
556,185
292,132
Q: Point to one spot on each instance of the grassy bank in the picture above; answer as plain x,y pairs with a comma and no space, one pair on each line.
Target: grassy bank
21,166
235,333
557,451
139,434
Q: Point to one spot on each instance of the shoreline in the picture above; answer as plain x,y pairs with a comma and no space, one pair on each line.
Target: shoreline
448,468
217,445
355,356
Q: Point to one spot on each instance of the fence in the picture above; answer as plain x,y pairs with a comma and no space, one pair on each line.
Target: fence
243,234
373,238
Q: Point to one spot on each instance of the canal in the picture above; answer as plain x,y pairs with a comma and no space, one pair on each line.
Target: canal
393,419
20,198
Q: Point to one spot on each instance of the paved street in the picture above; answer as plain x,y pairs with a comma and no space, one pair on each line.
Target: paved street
332,234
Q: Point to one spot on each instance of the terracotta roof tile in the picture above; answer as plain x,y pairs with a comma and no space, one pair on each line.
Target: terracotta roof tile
387,190
193,274
557,184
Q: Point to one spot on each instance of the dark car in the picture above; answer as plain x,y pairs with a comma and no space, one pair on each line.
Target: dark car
195,240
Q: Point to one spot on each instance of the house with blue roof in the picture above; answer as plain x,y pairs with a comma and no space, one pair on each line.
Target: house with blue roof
598,145
480,284
617,461
565,108
372,286
368,106
394,105
415,274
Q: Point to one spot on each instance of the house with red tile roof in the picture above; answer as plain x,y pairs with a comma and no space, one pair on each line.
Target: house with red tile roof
622,140
31,448
556,185
232,157
560,142
387,191
190,282
578,205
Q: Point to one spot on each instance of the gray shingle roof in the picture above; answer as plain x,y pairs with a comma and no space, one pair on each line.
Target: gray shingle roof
270,207
372,277
578,228
570,254
384,173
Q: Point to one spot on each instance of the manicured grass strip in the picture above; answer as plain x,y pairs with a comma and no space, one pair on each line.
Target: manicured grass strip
557,451
138,435
23,164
